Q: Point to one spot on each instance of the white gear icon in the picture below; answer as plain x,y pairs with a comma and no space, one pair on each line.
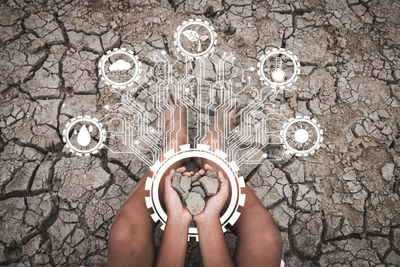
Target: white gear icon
301,136
202,53
115,84
230,216
89,120
278,76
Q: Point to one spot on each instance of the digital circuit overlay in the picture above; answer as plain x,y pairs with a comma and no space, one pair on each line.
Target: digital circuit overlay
131,126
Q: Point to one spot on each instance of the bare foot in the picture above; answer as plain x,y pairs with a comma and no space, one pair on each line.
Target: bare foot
175,125
175,135
224,123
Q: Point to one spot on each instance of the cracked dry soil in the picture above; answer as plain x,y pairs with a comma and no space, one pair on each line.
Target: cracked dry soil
339,207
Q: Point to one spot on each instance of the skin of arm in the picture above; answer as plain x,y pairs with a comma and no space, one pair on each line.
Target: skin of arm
214,250
175,237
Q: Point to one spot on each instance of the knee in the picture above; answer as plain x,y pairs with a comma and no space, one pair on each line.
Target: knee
267,234
265,230
127,225
122,229
261,246
271,238
274,239
127,239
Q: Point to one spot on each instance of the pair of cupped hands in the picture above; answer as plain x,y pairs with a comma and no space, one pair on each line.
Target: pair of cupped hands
214,204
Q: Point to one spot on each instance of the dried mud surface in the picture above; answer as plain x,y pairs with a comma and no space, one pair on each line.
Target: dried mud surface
339,207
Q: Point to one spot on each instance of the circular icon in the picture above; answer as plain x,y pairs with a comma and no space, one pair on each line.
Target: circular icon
279,68
231,214
119,68
301,136
84,135
195,39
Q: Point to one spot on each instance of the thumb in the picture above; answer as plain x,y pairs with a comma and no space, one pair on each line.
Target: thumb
168,179
224,184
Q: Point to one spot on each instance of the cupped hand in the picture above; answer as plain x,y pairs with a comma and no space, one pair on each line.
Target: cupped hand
172,200
216,203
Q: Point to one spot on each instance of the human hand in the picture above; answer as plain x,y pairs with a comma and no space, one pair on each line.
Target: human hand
173,203
216,203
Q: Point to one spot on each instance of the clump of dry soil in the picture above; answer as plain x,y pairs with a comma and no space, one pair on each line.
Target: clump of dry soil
195,190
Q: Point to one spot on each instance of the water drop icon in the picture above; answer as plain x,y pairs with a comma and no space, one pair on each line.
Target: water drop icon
84,137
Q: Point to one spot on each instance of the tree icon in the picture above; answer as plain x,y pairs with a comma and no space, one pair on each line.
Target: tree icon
195,37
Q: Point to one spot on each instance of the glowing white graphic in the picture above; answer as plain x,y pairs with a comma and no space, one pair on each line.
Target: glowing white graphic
77,135
195,37
277,78
230,216
139,128
278,75
120,65
84,137
301,136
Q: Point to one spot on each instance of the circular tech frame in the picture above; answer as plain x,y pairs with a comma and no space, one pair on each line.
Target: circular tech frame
285,84
230,216
82,152
115,84
285,138
206,52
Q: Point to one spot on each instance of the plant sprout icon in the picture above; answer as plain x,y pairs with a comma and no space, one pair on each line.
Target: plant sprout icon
278,75
84,137
195,37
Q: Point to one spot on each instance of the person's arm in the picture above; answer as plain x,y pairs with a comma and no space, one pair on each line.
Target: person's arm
214,250
174,241
212,243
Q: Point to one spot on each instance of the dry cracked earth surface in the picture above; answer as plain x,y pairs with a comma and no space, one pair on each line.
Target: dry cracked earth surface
339,207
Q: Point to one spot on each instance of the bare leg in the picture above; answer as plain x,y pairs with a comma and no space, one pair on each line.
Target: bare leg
259,240
131,241
131,236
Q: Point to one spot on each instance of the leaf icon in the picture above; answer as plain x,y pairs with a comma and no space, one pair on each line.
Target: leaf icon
191,35
204,37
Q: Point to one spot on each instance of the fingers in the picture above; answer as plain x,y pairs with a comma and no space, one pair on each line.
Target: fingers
208,167
181,169
184,172
200,172
221,178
